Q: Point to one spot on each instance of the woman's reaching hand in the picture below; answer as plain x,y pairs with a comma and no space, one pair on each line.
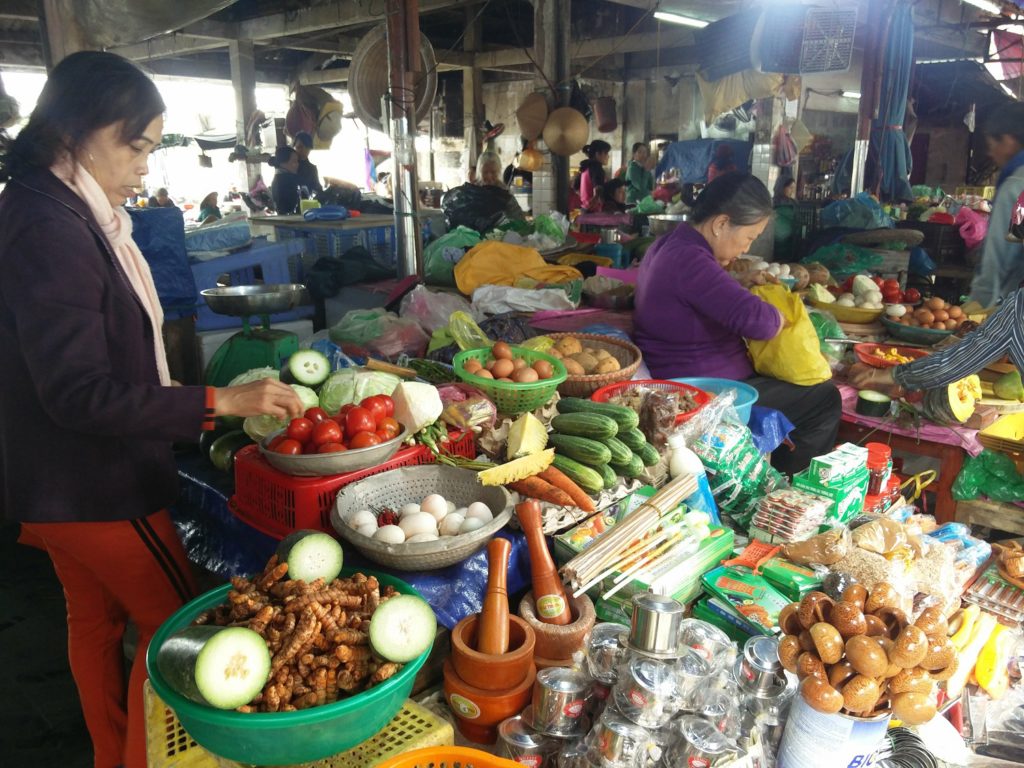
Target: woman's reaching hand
879,379
267,396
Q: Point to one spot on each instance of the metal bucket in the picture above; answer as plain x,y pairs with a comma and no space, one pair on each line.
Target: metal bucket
814,738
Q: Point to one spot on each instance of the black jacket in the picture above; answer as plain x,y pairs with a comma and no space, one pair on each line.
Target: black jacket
284,190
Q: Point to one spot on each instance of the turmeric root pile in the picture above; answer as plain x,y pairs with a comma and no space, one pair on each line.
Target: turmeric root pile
317,633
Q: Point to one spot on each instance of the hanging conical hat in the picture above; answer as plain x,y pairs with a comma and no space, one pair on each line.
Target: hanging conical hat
531,116
566,131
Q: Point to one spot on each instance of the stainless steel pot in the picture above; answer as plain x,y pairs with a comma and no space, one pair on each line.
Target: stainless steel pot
663,223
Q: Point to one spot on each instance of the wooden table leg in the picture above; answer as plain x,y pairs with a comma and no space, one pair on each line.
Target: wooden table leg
952,461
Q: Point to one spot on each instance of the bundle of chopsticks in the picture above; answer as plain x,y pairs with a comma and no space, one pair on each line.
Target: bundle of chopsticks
627,549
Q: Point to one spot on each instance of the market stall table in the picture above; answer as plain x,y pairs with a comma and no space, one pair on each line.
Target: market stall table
947,444
218,541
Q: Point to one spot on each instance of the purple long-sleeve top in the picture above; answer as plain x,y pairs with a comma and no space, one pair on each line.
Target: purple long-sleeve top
691,316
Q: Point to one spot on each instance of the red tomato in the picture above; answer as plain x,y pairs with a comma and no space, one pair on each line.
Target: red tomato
309,448
289,447
835,290
878,281
331,448
376,407
316,415
847,287
384,435
892,297
389,425
890,285
272,445
300,429
346,408
326,432
364,440
359,420
912,295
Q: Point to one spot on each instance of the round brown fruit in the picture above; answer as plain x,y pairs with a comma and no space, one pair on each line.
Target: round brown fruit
501,351
544,369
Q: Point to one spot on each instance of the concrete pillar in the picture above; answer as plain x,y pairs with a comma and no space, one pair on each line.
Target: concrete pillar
62,35
243,79
879,14
472,89
551,26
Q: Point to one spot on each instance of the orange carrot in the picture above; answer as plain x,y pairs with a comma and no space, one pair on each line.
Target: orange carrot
536,488
562,481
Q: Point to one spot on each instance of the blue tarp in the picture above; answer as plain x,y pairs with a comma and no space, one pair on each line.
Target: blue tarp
889,146
160,235
693,157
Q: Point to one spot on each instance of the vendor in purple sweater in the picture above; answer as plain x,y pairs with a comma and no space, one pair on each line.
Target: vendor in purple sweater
692,317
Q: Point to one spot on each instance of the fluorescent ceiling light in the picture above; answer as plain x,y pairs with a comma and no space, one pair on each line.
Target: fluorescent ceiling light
1009,91
687,21
851,95
986,5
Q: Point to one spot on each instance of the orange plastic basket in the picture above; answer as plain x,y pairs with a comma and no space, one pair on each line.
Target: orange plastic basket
447,757
604,394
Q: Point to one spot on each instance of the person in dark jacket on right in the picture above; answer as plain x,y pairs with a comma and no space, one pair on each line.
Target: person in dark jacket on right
284,189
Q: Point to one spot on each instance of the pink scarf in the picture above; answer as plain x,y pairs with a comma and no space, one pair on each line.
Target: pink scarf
117,227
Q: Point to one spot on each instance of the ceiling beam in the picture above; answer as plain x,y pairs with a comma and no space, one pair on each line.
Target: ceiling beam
174,44
339,14
19,10
596,48
342,46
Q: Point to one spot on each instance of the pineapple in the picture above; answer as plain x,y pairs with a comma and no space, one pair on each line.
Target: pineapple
517,469
526,436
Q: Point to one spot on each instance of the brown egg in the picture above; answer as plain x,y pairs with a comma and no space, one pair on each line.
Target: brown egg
939,325
501,351
924,317
840,673
789,623
941,675
815,607
875,627
806,641
848,619
910,648
502,368
955,313
544,369
940,653
893,618
855,594
489,365
881,596
821,696
932,622
866,656
935,303
809,665
860,694
911,680
518,363
827,642
941,314
506,379
950,325
472,366
913,708
789,652
483,373
525,376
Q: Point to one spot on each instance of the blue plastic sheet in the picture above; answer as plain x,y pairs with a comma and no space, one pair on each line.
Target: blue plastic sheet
160,235
693,157
769,428
218,541
326,213
226,235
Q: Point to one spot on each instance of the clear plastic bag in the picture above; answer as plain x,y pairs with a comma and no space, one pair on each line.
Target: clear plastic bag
880,536
433,309
825,549
466,407
382,334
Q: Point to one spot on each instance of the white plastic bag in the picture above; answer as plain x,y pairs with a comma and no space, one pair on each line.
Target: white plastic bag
431,309
496,299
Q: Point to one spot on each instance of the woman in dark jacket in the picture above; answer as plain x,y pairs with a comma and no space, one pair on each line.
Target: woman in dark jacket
284,189
87,408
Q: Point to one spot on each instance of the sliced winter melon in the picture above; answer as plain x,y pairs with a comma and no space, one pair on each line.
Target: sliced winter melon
402,628
517,469
311,555
222,667
526,436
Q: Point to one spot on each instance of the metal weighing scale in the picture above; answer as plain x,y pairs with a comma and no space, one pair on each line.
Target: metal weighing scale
252,347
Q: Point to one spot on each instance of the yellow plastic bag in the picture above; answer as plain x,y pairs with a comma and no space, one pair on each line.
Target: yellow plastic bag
794,355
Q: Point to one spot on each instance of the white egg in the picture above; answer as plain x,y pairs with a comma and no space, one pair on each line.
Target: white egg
421,522
421,537
471,524
451,507
464,511
362,518
390,534
408,509
368,530
451,525
435,506
480,511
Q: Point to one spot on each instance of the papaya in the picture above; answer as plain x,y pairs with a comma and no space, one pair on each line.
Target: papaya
952,404
1009,387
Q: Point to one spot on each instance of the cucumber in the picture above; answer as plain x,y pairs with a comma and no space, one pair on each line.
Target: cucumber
224,448
633,468
210,436
626,418
306,367
590,480
311,555
609,479
633,438
582,449
402,628
648,455
592,425
222,667
619,450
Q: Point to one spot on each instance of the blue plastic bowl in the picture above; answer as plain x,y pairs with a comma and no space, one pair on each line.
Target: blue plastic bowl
746,395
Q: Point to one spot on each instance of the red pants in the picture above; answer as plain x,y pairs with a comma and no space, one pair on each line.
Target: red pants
112,573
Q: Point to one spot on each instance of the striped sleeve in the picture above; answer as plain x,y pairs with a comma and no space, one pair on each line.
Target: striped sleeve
1002,332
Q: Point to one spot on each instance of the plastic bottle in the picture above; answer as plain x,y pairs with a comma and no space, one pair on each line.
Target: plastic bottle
548,592
492,635
683,461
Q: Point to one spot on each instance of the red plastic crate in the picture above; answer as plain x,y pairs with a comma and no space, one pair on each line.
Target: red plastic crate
278,504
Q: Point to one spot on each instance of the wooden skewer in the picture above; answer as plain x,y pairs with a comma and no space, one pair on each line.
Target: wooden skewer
627,576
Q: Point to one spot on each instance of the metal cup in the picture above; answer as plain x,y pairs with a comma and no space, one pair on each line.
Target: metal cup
605,649
707,640
646,691
615,741
697,743
518,742
722,711
654,629
759,670
692,677
559,701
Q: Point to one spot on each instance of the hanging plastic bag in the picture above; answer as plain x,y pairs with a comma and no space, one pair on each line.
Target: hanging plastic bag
432,309
989,474
973,226
794,355
859,212
827,327
479,207
441,256
380,334
784,148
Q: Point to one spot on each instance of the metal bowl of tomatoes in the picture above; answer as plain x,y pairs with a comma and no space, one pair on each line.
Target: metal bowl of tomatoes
315,444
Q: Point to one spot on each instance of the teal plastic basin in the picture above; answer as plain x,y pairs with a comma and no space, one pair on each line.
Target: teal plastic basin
746,395
282,738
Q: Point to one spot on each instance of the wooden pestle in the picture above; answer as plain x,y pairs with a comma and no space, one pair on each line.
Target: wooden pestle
548,592
492,635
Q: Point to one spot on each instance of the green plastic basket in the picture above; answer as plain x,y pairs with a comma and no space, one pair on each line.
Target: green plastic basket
512,399
282,738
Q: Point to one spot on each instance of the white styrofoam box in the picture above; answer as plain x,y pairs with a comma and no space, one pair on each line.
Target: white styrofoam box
210,341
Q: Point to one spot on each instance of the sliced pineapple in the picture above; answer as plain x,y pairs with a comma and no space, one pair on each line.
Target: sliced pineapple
517,469
526,436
